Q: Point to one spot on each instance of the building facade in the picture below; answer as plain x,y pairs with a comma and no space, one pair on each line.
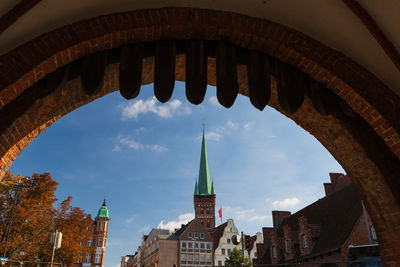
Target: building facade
98,240
321,232
223,241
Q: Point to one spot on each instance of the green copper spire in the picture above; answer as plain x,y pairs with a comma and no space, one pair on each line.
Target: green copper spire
196,189
204,185
103,211
212,188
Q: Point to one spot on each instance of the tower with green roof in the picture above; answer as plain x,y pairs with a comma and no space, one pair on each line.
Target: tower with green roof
100,235
204,193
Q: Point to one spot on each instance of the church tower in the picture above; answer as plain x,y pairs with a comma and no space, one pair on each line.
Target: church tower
204,194
100,235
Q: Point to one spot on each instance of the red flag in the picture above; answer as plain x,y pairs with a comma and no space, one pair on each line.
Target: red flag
220,213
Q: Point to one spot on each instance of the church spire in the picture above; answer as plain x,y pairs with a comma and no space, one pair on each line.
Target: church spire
204,185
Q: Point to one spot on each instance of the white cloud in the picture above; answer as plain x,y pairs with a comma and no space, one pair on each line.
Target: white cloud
134,109
213,136
286,203
258,218
125,141
172,225
213,100
237,212
248,125
232,124
130,219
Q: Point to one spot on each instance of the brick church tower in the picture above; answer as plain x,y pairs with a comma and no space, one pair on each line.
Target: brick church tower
204,194
100,235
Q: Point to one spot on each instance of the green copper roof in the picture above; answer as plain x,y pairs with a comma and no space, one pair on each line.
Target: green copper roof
212,188
103,211
203,187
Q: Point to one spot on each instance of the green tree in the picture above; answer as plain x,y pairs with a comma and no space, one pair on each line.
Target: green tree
236,259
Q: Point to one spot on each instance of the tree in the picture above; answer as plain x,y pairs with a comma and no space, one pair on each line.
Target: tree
236,259
29,214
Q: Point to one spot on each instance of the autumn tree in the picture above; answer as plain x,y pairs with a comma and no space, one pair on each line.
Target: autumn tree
28,214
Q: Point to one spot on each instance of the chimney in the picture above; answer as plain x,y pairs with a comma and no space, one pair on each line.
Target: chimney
328,188
278,217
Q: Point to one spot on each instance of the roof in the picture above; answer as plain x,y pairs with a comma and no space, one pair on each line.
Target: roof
252,241
335,214
103,211
156,232
179,232
217,233
204,186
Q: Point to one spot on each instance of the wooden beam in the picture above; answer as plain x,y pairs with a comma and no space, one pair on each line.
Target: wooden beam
92,72
15,13
227,84
130,71
259,79
375,31
196,71
164,69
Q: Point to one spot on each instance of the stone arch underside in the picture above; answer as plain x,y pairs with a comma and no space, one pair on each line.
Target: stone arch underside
370,156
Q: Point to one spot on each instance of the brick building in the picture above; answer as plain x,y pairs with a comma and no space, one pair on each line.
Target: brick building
321,232
98,241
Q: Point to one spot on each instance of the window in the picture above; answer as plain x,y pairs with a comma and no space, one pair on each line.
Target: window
208,257
231,229
190,235
201,235
287,246
184,244
274,252
101,226
202,246
88,257
196,257
304,241
373,233
208,245
228,240
223,251
196,235
255,254
219,263
196,245
190,245
190,257
183,257
89,243
100,242
229,251
98,258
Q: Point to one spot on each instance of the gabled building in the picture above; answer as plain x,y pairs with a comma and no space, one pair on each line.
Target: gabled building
223,244
158,250
321,232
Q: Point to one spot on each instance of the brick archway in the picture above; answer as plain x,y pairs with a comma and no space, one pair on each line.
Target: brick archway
368,150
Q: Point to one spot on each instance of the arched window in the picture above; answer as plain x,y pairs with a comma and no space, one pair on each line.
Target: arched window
373,233
304,241
287,246
274,252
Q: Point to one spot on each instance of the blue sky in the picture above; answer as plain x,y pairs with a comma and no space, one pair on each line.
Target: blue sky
144,157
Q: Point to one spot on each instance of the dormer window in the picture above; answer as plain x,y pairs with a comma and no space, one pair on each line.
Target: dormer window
287,246
304,241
